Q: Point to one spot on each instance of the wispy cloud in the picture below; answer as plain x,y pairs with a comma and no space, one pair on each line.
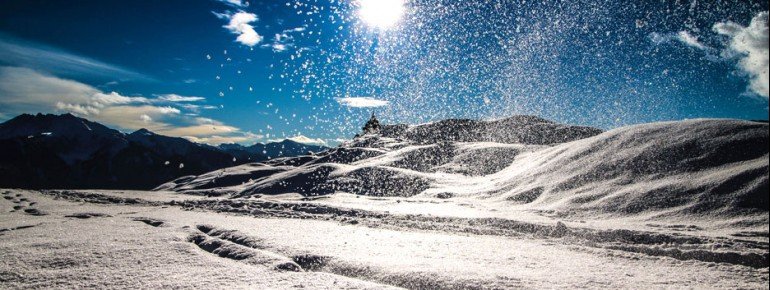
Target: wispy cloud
17,52
245,138
235,3
361,102
683,37
284,40
239,23
177,98
195,109
690,40
30,91
750,45
24,90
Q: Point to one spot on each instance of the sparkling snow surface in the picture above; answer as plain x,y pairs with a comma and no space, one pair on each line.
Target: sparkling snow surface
120,249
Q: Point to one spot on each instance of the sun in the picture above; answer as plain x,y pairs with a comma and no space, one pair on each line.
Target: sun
381,14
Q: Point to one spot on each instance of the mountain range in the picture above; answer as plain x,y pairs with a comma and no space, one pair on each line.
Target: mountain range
66,151
258,151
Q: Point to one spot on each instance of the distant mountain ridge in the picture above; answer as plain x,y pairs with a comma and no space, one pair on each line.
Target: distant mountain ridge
285,148
66,151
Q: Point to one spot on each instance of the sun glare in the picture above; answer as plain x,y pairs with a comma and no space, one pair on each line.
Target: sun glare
381,14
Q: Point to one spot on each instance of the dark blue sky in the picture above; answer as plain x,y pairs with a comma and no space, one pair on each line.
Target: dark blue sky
307,67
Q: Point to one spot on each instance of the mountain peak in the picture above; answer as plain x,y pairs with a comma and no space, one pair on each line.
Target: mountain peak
143,131
61,125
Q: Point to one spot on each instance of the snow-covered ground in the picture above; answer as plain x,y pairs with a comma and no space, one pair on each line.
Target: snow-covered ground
114,239
663,205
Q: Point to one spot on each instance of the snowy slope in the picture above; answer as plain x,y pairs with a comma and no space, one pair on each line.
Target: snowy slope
516,129
694,167
707,168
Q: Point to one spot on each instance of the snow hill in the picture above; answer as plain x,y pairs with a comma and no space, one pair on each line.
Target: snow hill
517,129
704,167
65,151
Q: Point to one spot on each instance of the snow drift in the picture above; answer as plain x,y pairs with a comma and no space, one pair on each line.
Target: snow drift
696,167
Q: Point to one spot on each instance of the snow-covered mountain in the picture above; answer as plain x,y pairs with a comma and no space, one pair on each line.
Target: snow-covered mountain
262,151
717,168
523,129
65,151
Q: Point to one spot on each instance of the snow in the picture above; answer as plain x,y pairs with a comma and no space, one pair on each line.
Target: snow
661,205
118,252
707,169
142,244
86,125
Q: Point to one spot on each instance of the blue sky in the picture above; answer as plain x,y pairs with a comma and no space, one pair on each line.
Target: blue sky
235,71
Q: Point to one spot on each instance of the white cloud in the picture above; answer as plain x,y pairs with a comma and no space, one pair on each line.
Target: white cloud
202,121
113,98
24,90
683,37
202,130
239,24
77,109
278,47
690,40
177,98
196,108
750,45
131,117
361,102
296,29
56,61
284,40
235,3
245,138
